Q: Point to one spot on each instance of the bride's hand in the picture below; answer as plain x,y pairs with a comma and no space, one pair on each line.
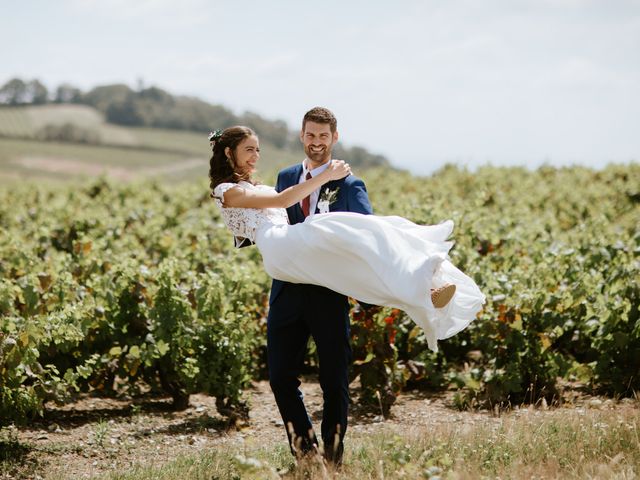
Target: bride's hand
338,169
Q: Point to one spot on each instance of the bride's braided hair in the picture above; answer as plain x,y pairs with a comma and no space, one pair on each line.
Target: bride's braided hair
221,168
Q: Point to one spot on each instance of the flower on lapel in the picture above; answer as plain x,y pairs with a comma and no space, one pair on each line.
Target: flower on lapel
327,197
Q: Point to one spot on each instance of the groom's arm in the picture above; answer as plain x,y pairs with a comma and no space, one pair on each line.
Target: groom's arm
358,201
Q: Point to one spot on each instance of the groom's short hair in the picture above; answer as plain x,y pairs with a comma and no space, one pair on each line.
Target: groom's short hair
320,115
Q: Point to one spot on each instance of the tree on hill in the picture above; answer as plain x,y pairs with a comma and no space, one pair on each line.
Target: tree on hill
102,97
14,92
66,93
38,92
18,92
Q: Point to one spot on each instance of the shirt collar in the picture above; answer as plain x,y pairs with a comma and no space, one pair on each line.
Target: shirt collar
315,171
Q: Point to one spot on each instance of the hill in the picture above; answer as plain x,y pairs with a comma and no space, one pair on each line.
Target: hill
126,132
66,142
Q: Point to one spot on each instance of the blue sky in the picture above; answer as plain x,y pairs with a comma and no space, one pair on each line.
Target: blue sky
423,82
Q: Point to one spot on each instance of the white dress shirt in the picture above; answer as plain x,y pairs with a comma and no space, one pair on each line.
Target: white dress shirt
313,201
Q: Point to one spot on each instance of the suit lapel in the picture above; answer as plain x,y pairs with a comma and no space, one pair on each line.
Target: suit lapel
295,175
295,211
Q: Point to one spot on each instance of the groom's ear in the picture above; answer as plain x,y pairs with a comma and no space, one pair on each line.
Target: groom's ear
335,137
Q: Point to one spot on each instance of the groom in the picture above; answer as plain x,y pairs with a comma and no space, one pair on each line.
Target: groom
298,311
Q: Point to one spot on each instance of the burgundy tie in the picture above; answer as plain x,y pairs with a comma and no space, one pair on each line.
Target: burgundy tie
306,201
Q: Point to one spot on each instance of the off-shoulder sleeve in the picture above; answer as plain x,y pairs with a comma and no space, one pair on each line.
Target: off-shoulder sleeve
222,188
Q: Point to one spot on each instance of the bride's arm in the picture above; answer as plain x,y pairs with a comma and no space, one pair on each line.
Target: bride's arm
238,197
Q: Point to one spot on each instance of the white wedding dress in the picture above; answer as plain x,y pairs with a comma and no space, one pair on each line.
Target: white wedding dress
388,261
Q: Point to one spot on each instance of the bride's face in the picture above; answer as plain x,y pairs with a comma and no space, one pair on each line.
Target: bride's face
246,155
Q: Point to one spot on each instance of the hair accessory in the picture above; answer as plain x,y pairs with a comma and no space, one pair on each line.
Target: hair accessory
214,136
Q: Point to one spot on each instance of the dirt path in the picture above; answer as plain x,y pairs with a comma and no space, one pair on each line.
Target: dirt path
97,435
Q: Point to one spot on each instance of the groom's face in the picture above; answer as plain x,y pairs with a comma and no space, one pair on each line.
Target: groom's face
318,140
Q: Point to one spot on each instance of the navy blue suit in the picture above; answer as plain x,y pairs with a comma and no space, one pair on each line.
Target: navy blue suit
298,311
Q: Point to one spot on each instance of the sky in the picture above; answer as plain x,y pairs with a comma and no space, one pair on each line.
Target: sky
422,82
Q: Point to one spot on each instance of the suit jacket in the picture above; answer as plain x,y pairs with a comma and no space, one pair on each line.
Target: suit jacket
352,197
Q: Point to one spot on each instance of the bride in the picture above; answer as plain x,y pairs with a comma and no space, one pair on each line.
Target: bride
388,261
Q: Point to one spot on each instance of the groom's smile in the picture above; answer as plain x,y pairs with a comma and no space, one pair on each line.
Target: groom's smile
318,140
317,150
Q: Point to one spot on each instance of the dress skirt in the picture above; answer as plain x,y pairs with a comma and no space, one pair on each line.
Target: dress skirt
381,260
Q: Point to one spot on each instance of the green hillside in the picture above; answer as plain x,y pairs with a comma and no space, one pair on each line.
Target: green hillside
28,121
67,142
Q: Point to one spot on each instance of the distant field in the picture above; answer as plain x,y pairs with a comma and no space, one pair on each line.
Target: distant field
27,121
123,152
32,159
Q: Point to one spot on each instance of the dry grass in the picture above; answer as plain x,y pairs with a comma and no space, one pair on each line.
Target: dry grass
112,439
563,444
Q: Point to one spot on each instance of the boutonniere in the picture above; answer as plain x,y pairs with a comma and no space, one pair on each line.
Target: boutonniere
327,197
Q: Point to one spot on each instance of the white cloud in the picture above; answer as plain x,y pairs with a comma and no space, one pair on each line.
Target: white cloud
187,13
225,64
585,72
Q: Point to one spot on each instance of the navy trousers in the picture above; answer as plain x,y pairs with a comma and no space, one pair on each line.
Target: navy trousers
298,312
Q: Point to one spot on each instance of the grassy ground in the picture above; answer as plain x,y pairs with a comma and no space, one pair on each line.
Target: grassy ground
587,437
572,444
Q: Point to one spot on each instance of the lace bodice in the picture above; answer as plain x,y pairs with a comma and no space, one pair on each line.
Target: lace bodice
244,222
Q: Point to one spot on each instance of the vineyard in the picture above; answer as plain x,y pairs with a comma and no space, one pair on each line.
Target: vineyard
117,289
